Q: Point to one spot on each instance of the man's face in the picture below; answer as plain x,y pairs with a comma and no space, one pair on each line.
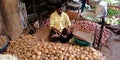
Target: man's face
59,11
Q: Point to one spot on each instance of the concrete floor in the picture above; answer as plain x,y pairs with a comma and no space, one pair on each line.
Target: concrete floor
114,44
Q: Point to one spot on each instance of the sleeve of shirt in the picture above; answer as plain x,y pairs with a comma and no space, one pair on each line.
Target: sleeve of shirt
68,23
51,21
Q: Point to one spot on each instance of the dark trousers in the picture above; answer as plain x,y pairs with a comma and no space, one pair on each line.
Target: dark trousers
63,38
83,5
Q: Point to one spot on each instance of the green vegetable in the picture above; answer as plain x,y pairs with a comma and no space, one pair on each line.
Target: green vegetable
113,21
112,12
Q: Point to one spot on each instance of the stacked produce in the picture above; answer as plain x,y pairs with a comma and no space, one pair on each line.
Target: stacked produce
29,47
114,7
112,2
95,19
2,41
112,12
113,20
90,27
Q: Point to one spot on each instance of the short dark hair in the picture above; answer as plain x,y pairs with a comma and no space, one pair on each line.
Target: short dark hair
58,5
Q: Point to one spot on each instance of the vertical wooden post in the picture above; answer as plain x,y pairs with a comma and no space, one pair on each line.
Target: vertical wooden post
34,10
101,32
11,18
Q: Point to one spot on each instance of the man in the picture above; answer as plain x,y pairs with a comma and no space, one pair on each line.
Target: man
59,25
83,5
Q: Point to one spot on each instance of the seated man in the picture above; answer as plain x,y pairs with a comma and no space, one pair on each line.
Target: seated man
59,25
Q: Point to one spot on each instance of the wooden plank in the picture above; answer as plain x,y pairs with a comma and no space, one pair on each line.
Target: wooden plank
82,35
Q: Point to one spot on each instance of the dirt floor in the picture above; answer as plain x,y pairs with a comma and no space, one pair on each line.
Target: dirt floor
110,50
42,33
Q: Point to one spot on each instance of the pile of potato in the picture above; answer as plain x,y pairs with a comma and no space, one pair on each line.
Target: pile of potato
91,27
29,47
2,41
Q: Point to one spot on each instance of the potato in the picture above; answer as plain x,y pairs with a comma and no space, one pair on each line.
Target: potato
31,48
33,57
39,53
82,57
38,57
61,57
86,58
2,41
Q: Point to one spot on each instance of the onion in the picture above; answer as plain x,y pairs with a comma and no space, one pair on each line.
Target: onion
90,27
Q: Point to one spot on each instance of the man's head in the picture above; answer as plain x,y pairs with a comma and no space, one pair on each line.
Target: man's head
58,8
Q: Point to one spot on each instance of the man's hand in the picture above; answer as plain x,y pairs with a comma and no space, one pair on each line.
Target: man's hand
70,29
56,30
66,31
56,35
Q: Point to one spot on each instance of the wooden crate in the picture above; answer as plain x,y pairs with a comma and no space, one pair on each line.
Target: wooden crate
83,35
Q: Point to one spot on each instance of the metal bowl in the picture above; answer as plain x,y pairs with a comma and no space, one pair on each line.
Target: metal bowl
4,47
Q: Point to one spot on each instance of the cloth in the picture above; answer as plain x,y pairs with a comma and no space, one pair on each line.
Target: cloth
8,57
59,21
